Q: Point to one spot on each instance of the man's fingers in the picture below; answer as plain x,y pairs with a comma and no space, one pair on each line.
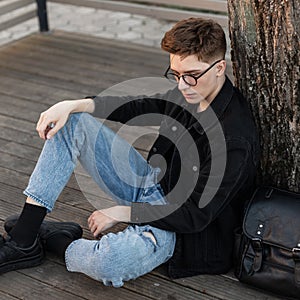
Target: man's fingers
91,217
97,232
41,118
50,130
41,126
95,229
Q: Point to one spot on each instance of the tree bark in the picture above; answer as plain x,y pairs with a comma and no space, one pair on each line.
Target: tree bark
265,54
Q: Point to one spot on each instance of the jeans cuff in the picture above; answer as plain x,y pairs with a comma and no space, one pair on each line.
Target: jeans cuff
41,202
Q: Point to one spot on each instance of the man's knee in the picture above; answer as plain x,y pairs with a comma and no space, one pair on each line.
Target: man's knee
97,259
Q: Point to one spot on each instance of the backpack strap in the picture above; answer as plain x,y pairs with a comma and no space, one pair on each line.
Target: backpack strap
252,260
296,257
258,257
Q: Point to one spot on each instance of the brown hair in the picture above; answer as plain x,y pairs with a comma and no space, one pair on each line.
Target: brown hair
196,36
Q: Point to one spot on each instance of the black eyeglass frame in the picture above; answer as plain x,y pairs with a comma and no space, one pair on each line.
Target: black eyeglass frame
190,75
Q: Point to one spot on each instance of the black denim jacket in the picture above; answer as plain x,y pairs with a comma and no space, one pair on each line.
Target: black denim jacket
217,172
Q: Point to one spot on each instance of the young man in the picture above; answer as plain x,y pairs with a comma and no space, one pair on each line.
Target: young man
185,199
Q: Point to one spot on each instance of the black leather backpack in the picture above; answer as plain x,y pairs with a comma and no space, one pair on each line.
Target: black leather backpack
267,251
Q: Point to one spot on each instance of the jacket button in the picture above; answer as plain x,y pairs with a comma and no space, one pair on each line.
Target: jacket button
195,168
174,128
154,149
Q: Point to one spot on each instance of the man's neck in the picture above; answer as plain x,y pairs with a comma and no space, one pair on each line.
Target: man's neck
203,105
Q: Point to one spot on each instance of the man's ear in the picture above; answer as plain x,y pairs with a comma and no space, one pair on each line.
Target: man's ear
221,67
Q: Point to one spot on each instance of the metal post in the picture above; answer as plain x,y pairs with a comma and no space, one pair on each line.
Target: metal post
42,15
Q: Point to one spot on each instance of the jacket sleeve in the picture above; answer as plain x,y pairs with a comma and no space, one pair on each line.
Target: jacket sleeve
133,110
189,218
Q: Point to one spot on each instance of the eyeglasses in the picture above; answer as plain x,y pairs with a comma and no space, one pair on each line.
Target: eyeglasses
189,79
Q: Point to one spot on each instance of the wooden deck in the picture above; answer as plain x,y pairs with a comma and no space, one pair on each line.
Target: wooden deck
36,72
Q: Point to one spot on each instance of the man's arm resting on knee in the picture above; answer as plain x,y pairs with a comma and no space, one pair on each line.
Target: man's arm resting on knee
58,114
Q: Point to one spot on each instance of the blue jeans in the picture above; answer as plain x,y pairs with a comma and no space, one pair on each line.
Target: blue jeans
125,175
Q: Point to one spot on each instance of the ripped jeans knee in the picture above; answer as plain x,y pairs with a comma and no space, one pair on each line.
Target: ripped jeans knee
123,256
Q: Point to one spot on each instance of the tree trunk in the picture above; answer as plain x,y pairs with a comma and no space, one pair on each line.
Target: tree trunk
266,64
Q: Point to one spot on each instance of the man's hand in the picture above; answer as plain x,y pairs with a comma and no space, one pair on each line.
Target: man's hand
58,115
101,220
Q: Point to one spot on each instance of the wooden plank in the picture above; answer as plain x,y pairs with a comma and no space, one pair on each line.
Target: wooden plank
158,288
86,73
108,48
21,151
88,69
11,122
3,142
34,91
4,9
22,87
83,42
78,284
17,20
6,296
88,57
21,102
13,178
10,134
19,72
30,288
109,44
150,11
67,70
215,285
149,285
108,64
22,113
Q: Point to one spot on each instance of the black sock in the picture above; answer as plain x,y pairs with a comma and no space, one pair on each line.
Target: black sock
58,244
25,231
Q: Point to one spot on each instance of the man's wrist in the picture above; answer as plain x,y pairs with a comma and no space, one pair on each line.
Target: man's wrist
81,105
125,214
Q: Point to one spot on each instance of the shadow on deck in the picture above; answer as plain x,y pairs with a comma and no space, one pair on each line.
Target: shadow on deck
35,73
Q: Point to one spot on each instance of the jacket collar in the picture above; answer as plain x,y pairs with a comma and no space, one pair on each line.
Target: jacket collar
218,105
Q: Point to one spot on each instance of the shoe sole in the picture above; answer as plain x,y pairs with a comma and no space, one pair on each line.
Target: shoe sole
21,264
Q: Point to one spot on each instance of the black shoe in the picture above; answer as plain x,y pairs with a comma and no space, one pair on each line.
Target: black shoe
13,257
49,229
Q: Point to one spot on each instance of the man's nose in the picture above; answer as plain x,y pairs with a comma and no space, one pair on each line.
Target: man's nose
182,85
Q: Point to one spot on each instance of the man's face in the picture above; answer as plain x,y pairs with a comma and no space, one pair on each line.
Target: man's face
207,86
